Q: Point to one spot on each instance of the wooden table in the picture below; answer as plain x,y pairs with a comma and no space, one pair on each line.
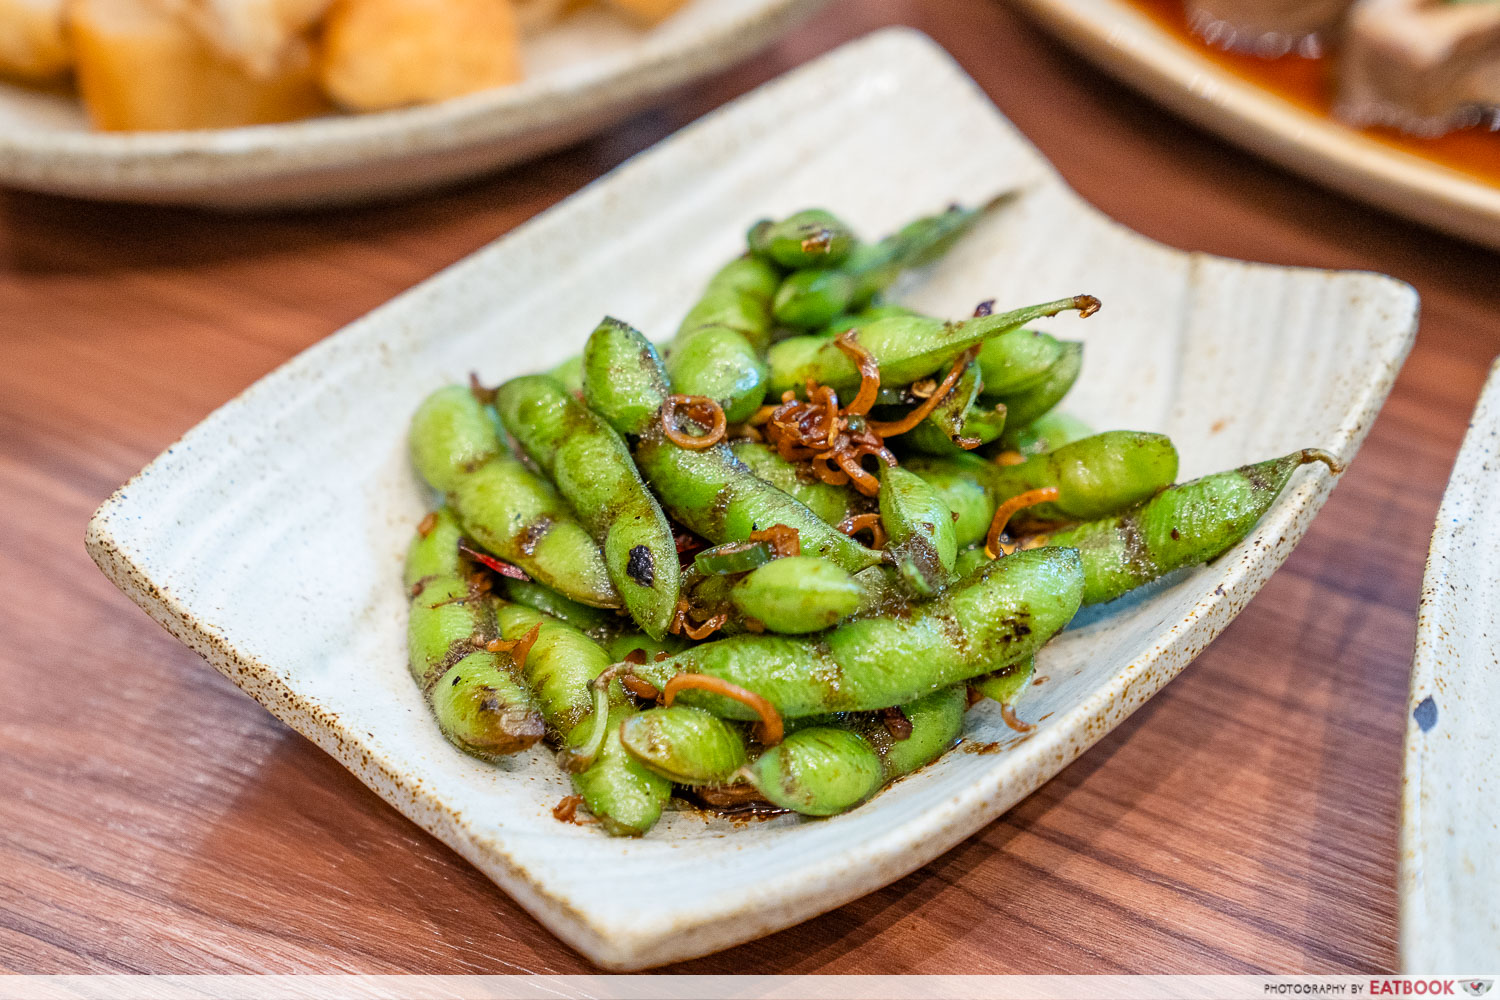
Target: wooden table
152,818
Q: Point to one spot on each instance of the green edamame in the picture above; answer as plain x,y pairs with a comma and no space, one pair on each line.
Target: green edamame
451,435
1016,362
1181,526
825,770
1005,685
1002,613
592,468
712,493
833,504
807,300
479,705
623,377
1025,406
716,352
919,524
906,348
1095,477
687,746
623,795
501,504
810,238
797,594
1048,432
819,771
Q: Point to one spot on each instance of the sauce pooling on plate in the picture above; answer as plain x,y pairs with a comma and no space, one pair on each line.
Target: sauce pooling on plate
1308,84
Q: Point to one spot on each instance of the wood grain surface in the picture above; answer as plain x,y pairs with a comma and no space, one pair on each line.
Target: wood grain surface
154,819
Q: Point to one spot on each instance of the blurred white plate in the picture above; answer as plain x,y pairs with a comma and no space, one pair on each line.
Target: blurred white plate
227,539
1450,829
1127,43
591,69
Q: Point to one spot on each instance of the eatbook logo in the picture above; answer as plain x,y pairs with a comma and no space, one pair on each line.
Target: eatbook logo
1477,987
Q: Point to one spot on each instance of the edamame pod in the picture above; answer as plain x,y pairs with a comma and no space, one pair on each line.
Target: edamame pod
819,771
958,480
797,594
591,621
922,544
624,796
959,422
623,378
716,352
592,468
1018,361
871,268
813,298
823,774
1002,613
1005,686
687,746
501,504
906,348
1025,406
810,238
831,503
435,550
1095,477
720,363
479,705
451,435
936,722
711,492
1181,526
1048,432
621,792
482,709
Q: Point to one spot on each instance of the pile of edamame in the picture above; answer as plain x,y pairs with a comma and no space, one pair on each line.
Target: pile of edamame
777,565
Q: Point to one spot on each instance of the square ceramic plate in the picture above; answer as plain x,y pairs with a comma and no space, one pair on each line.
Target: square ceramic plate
1126,42
308,470
587,70
1450,829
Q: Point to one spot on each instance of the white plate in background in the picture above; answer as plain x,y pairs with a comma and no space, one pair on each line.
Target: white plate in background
1450,795
1128,44
590,69
307,470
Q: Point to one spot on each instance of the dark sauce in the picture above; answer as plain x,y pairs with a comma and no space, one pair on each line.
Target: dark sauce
1308,84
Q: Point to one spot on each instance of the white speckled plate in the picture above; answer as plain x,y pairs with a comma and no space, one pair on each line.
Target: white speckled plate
1450,828
1128,44
307,470
591,69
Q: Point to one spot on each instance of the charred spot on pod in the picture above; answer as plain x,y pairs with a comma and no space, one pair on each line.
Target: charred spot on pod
531,536
641,567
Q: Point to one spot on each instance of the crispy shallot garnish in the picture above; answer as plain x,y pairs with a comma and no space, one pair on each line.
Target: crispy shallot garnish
518,649
855,523
770,730
916,415
701,410
682,623
783,539
1007,510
